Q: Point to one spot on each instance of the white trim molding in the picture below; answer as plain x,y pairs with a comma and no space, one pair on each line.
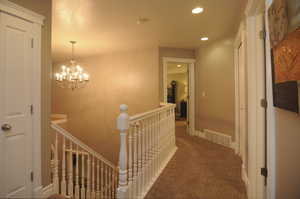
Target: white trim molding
18,11
191,100
216,137
256,92
239,44
271,127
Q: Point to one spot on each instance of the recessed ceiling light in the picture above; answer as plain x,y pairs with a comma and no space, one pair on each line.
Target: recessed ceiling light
197,10
204,38
178,66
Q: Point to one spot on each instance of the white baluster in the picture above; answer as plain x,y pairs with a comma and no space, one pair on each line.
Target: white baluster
82,177
113,185
70,174
102,181
139,160
144,183
123,126
155,146
56,165
105,181
158,142
109,183
130,177
93,177
150,150
159,139
88,179
63,175
147,149
135,160
98,180
77,189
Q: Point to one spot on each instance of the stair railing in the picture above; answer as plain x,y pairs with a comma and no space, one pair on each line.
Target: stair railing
78,171
147,145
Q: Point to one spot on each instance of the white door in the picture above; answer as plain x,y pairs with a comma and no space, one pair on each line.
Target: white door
16,64
242,104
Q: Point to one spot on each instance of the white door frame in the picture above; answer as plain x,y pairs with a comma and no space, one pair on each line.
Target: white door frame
271,127
257,82
191,106
37,21
240,40
240,146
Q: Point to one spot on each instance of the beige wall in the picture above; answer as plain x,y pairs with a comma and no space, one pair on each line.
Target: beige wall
120,78
287,154
181,93
288,135
215,77
44,8
171,52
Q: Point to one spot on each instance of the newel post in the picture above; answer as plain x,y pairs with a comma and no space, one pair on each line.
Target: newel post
123,126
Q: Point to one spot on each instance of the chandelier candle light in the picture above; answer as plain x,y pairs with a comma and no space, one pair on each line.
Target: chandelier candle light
72,77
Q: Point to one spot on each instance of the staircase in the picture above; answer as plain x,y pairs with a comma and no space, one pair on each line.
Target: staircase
147,143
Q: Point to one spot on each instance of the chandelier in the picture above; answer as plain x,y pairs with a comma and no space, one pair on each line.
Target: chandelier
73,76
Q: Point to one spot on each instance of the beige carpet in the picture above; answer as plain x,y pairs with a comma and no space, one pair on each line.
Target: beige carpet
199,170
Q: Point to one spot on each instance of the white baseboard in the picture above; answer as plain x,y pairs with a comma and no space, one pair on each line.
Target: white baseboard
245,177
47,191
216,137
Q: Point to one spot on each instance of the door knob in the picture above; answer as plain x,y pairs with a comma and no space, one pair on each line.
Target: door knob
6,127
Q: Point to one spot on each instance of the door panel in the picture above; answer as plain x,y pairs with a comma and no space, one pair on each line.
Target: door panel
16,143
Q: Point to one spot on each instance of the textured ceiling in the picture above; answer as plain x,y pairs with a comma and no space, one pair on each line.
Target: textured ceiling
104,26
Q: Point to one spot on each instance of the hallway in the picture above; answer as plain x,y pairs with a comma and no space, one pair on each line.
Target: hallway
199,170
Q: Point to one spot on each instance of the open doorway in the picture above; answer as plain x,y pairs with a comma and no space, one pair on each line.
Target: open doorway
178,88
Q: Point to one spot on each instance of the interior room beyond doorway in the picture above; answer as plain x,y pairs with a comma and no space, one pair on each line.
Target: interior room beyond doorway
178,88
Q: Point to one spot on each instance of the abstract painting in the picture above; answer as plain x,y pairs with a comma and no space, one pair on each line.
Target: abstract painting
284,28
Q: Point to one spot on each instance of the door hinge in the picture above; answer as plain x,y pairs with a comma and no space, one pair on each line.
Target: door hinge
31,109
32,43
264,172
264,103
262,34
31,176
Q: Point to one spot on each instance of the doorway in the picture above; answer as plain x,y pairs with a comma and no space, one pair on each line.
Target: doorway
178,85
177,88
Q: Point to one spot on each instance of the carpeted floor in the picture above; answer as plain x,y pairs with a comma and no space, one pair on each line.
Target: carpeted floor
199,170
